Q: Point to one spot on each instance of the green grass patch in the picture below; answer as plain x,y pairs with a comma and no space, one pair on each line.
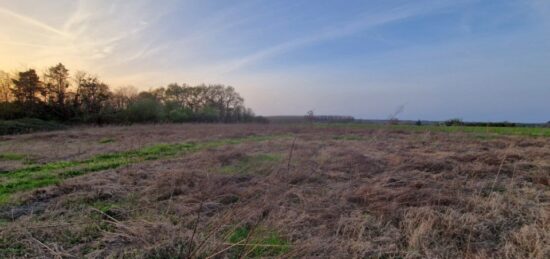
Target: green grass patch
36,176
261,243
106,141
522,131
11,157
11,248
349,137
252,164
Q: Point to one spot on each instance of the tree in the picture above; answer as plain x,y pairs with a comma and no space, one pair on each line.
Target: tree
5,87
92,101
91,93
178,95
310,116
27,90
226,100
233,103
454,122
56,84
122,97
196,97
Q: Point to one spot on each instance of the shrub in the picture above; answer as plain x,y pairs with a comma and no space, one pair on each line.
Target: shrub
27,125
208,114
181,115
10,111
454,122
145,110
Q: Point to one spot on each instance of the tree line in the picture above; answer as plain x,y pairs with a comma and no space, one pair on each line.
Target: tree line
83,97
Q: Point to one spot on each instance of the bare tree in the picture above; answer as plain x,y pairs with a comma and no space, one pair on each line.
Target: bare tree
5,87
392,118
56,81
91,93
122,97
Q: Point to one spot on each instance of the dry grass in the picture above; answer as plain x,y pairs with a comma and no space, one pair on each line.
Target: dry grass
344,192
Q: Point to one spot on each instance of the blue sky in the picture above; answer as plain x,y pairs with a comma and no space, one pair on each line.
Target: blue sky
472,59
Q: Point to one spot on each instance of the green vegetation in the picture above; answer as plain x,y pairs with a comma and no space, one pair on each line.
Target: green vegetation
11,157
522,131
50,97
11,248
36,176
349,137
27,125
106,140
251,164
459,122
261,243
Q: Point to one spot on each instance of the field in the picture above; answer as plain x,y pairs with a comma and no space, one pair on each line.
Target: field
273,190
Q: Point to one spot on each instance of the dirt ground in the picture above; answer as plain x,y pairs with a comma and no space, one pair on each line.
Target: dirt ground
303,191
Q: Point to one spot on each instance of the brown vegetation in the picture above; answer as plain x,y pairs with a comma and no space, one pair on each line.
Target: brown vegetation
344,192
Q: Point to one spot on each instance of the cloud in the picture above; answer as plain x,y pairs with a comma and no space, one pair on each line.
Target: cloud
364,22
33,22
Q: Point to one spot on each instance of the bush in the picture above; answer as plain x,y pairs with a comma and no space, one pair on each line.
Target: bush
10,111
208,114
27,125
454,122
181,115
145,110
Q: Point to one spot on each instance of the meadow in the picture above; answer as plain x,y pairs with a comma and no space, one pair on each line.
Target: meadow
276,190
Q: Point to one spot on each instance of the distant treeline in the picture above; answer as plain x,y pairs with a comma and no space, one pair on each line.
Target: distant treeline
459,122
83,97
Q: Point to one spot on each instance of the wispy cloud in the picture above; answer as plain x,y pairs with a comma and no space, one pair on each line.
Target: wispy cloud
33,22
364,22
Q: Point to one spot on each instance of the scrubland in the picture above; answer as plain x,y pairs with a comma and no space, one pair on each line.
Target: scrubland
268,190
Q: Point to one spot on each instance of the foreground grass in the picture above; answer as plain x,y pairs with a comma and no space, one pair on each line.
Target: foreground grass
36,176
255,163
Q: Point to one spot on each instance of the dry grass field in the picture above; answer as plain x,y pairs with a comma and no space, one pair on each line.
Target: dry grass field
240,191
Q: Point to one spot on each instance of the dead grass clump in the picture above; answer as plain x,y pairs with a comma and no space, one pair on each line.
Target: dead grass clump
429,165
499,224
530,241
384,201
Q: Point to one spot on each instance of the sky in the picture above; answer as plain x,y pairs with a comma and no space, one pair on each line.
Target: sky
479,60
